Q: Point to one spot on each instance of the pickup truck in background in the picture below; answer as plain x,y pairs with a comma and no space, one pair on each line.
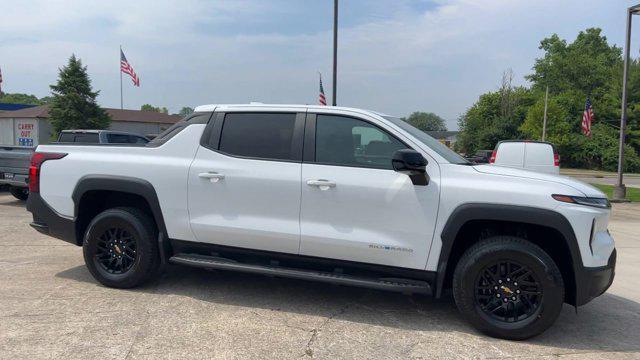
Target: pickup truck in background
14,169
330,194
15,160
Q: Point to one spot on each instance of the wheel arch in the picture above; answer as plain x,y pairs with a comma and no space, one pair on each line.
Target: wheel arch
470,214
118,191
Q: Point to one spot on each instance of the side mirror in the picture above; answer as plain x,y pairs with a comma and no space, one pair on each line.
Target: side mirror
412,163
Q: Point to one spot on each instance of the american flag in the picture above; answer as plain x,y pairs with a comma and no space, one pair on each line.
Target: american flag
126,68
587,118
322,100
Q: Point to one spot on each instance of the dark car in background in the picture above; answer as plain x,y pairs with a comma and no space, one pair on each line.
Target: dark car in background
480,157
100,137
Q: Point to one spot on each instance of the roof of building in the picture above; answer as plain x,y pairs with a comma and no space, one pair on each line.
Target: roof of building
13,107
442,134
116,115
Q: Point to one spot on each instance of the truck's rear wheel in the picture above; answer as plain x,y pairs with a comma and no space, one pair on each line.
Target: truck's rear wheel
121,248
508,288
19,193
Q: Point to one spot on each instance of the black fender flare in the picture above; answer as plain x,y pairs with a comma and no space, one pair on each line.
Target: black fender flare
511,213
129,185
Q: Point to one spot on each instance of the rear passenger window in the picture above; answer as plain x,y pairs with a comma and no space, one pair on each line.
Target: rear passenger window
118,138
264,136
87,138
66,137
351,142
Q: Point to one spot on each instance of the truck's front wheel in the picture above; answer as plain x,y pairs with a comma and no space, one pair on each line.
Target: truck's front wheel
508,287
121,248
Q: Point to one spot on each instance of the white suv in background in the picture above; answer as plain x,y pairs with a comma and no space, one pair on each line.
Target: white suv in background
529,155
330,194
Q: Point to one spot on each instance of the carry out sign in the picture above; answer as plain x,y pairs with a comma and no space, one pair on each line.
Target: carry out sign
26,132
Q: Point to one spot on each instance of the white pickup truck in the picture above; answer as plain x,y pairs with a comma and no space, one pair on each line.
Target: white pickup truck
330,194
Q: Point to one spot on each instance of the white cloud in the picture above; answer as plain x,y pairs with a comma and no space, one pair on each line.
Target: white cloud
437,60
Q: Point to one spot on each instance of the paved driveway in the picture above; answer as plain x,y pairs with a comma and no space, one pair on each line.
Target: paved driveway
50,307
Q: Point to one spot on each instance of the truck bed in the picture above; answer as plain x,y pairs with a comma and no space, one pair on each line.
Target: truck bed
14,165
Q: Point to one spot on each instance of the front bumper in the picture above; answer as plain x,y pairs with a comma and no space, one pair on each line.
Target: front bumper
593,282
49,222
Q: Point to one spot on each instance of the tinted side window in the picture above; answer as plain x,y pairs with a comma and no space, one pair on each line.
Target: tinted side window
117,138
173,130
89,138
351,142
266,136
66,137
138,140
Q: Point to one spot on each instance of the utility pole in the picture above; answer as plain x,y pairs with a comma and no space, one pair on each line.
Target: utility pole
544,120
335,50
620,191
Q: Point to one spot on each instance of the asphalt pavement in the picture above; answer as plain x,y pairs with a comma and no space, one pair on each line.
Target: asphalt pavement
51,307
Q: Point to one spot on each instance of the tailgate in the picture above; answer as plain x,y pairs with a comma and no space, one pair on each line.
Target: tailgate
15,160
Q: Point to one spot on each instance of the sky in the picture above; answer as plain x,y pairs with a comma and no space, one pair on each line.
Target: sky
394,56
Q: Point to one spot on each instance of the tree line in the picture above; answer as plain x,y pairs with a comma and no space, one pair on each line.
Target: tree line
588,67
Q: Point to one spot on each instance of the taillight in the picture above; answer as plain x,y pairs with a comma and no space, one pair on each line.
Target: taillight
556,160
492,159
34,170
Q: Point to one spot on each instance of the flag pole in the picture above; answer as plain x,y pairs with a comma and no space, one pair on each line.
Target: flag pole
120,70
335,49
544,120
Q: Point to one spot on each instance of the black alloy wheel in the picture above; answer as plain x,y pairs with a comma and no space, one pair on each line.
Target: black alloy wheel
508,287
120,247
508,291
116,250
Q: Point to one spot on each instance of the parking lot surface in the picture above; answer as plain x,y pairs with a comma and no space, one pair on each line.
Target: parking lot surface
50,307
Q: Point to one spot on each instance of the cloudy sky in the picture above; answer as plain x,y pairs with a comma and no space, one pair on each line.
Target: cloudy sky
395,56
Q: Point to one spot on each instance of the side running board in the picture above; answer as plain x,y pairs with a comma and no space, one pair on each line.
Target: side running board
390,284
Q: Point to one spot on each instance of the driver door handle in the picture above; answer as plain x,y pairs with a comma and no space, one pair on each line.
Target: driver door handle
322,184
212,176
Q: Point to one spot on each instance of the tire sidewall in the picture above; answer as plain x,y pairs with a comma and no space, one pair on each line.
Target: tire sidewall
19,193
144,252
526,254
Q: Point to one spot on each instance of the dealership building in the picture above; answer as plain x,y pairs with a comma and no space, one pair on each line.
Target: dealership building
31,126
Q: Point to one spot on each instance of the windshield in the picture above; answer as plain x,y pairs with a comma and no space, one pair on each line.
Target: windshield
435,145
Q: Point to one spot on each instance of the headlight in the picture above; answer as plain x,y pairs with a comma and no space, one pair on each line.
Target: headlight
602,203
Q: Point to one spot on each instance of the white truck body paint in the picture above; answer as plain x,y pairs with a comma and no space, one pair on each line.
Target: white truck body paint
372,216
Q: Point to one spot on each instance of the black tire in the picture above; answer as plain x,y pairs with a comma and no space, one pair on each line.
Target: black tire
19,193
505,310
138,241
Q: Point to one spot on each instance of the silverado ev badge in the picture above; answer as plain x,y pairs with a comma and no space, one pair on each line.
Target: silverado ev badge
391,248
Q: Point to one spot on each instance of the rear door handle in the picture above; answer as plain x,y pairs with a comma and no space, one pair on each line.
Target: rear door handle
322,184
212,176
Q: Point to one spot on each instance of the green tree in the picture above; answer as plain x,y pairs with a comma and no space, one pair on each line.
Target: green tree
185,111
558,122
588,66
426,121
149,107
74,102
493,118
17,98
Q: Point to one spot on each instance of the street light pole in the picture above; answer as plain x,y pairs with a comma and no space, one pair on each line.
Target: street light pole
620,191
335,50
